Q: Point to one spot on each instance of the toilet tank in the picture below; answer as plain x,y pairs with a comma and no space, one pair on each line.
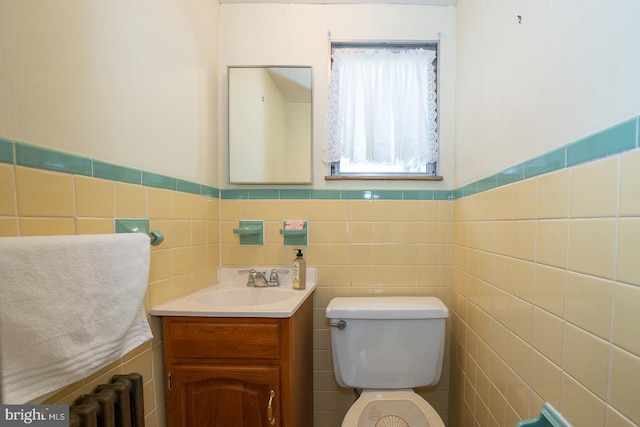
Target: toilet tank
387,342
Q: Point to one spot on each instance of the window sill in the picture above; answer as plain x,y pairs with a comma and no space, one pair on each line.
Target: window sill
382,178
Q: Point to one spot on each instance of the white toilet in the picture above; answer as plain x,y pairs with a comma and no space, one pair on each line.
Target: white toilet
386,346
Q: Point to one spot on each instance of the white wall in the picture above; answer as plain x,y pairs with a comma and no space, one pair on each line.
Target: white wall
131,83
296,34
571,68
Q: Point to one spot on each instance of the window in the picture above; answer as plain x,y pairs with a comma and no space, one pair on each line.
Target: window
382,116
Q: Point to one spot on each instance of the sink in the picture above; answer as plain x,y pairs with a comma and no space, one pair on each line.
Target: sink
232,298
245,296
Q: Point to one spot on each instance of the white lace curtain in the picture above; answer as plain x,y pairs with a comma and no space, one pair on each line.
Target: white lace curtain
382,107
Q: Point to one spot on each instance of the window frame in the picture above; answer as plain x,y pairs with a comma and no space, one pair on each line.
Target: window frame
432,169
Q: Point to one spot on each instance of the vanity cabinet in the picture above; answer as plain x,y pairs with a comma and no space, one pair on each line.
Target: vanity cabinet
241,371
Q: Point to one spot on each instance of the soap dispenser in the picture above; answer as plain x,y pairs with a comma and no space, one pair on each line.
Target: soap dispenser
299,279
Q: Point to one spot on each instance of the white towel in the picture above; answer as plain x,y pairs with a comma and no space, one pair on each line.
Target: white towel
69,306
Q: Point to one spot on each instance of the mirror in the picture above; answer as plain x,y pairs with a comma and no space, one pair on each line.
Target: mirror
269,125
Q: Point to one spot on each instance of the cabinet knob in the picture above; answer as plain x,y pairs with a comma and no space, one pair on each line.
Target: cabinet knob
272,420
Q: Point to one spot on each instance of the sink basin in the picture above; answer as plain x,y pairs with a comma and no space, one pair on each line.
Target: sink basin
232,298
245,296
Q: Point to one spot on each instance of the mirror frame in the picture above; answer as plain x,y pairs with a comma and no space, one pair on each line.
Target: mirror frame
309,180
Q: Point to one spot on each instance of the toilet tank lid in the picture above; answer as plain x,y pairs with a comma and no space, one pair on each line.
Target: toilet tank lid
386,308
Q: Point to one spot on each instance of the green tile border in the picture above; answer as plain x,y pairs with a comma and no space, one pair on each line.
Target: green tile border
42,158
616,139
6,151
33,156
116,173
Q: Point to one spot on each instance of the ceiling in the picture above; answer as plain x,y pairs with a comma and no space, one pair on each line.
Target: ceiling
417,2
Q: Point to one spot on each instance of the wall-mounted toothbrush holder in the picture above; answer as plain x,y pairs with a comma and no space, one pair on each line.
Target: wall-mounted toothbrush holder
250,232
294,236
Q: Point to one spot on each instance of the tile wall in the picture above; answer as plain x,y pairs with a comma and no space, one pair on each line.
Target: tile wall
536,263
361,244
546,290
35,200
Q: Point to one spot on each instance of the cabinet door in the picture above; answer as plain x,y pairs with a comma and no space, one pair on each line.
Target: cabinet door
229,396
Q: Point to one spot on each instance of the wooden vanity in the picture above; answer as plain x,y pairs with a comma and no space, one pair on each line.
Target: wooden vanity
239,371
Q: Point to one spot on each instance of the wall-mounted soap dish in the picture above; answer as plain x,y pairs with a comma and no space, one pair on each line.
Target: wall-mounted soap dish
294,236
250,232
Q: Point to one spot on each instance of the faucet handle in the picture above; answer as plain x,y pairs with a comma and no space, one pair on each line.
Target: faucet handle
274,280
251,281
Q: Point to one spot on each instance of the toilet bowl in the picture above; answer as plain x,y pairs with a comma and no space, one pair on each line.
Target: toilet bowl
397,408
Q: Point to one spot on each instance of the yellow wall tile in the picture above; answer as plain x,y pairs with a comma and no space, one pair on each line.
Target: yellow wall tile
198,232
629,179
181,205
550,286
553,194
592,246
383,232
503,200
296,209
589,304
626,317
251,210
545,378
273,210
615,419
213,209
199,207
44,194
362,210
551,242
181,233
131,201
406,211
339,232
522,278
47,226
384,210
7,190
594,189
405,233
504,240
627,262
160,265
524,199
625,383
520,318
547,333
580,406
433,211
590,371
181,260
524,233
8,227
159,203
94,226
94,197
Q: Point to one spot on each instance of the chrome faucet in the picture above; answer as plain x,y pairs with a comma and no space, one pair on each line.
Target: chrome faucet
274,279
256,279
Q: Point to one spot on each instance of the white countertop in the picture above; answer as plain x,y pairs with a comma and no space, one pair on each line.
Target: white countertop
199,303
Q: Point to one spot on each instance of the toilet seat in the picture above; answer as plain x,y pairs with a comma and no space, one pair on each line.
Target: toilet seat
397,408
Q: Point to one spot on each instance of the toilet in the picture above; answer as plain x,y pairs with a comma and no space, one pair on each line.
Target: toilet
386,346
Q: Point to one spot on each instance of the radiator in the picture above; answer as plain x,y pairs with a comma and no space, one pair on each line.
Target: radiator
118,404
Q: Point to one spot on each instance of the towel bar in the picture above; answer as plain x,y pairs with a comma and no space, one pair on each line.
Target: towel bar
156,237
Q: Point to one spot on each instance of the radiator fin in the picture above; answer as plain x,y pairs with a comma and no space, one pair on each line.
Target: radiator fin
118,404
